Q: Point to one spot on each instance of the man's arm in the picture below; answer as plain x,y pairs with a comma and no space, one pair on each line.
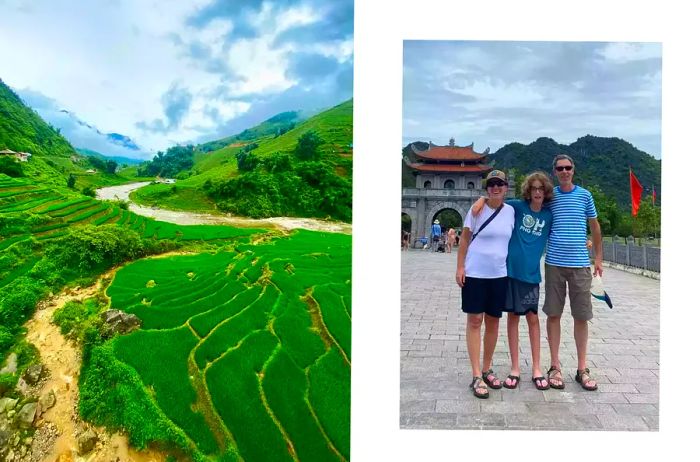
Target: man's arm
464,240
597,246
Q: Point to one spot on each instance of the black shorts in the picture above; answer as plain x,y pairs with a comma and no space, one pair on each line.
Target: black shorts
522,297
484,296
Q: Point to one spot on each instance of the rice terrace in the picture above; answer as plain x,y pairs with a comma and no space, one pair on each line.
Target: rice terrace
203,342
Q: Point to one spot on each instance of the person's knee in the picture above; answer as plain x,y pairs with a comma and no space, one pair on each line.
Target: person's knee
532,320
554,319
474,321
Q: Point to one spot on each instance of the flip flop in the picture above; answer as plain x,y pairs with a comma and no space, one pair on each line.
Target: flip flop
482,386
540,386
513,378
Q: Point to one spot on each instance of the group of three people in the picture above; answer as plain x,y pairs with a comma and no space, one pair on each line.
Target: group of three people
498,269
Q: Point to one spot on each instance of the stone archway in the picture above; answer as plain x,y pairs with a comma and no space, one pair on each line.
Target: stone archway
460,207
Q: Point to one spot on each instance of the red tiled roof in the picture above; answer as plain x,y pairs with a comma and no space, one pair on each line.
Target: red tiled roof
479,168
449,153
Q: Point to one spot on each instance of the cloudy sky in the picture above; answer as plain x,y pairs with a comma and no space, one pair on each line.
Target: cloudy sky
493,93
163,72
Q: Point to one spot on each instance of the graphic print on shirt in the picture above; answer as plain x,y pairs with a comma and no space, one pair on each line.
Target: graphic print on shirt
532,225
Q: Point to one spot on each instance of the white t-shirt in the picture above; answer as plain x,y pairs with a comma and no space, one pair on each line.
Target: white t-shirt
486,255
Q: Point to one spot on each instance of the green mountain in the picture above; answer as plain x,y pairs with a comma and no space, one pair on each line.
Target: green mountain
21,129
261,176
603,162
276,126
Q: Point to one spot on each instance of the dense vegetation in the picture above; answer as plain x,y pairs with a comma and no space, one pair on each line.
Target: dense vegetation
175,160
601,162
298,169
21,128
51,237
274,126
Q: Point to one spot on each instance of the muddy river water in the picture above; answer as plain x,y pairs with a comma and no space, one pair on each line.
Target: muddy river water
122,192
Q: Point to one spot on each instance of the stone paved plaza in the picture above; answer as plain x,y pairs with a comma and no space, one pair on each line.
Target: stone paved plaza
623,356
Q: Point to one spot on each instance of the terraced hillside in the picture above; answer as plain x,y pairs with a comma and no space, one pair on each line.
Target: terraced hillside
54,211
256,343
244,351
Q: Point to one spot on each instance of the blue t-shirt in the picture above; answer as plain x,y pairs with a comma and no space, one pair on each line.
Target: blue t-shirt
437,230
527,242
567,241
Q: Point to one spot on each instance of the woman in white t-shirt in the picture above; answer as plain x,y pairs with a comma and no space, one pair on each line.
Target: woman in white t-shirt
483,276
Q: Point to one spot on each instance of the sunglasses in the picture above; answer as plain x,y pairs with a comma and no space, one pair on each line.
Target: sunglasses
498,183
537,188
564,167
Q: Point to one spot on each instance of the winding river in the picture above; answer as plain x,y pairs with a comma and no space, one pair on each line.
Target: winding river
122,192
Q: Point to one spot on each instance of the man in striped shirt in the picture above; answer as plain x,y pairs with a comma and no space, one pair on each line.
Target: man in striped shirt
567,263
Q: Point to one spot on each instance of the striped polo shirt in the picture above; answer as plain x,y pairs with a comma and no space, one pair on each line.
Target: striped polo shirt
567,241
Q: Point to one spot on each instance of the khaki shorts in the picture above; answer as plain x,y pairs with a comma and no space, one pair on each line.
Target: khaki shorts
556,279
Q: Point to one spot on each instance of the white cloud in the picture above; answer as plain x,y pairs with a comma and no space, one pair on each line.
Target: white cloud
621,52
110,63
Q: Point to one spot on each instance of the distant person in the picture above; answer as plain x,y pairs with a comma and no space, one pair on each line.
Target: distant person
405,240
533,223
567,263
451,239
482,275
435,233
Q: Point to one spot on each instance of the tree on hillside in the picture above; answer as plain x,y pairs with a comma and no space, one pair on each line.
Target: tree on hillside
71,181
111,166
648,219
10,167
307,146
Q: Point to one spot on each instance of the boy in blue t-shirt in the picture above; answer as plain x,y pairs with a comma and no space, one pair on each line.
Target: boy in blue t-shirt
533,223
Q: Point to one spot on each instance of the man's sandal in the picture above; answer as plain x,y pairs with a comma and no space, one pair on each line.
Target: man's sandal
515,380
584,378
490,381
552,372
481,386
540,386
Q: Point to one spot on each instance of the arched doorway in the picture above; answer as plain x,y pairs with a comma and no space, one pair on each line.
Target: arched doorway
449,218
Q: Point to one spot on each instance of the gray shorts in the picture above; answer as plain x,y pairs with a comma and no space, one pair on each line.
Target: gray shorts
556,279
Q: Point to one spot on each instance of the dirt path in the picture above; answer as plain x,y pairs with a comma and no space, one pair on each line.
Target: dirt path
122,192
58,427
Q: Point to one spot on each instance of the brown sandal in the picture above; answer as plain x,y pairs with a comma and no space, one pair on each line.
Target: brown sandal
491,381
552,372
584,378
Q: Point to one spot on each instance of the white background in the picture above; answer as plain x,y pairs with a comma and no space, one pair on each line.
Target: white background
380,28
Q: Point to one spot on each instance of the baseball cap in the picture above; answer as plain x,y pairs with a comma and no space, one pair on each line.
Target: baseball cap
497,174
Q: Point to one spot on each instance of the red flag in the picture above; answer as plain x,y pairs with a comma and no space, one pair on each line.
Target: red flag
653,195
635,192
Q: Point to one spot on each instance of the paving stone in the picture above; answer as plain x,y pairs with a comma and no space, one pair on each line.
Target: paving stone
416,406
454,406
622,422
481,420
636,409
642,398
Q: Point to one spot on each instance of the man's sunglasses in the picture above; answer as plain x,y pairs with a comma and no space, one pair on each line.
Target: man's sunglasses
498,183
564,167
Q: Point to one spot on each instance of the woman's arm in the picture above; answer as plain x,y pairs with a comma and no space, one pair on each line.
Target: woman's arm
464,240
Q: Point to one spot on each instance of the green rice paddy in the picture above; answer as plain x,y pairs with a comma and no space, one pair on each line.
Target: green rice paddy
256,342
